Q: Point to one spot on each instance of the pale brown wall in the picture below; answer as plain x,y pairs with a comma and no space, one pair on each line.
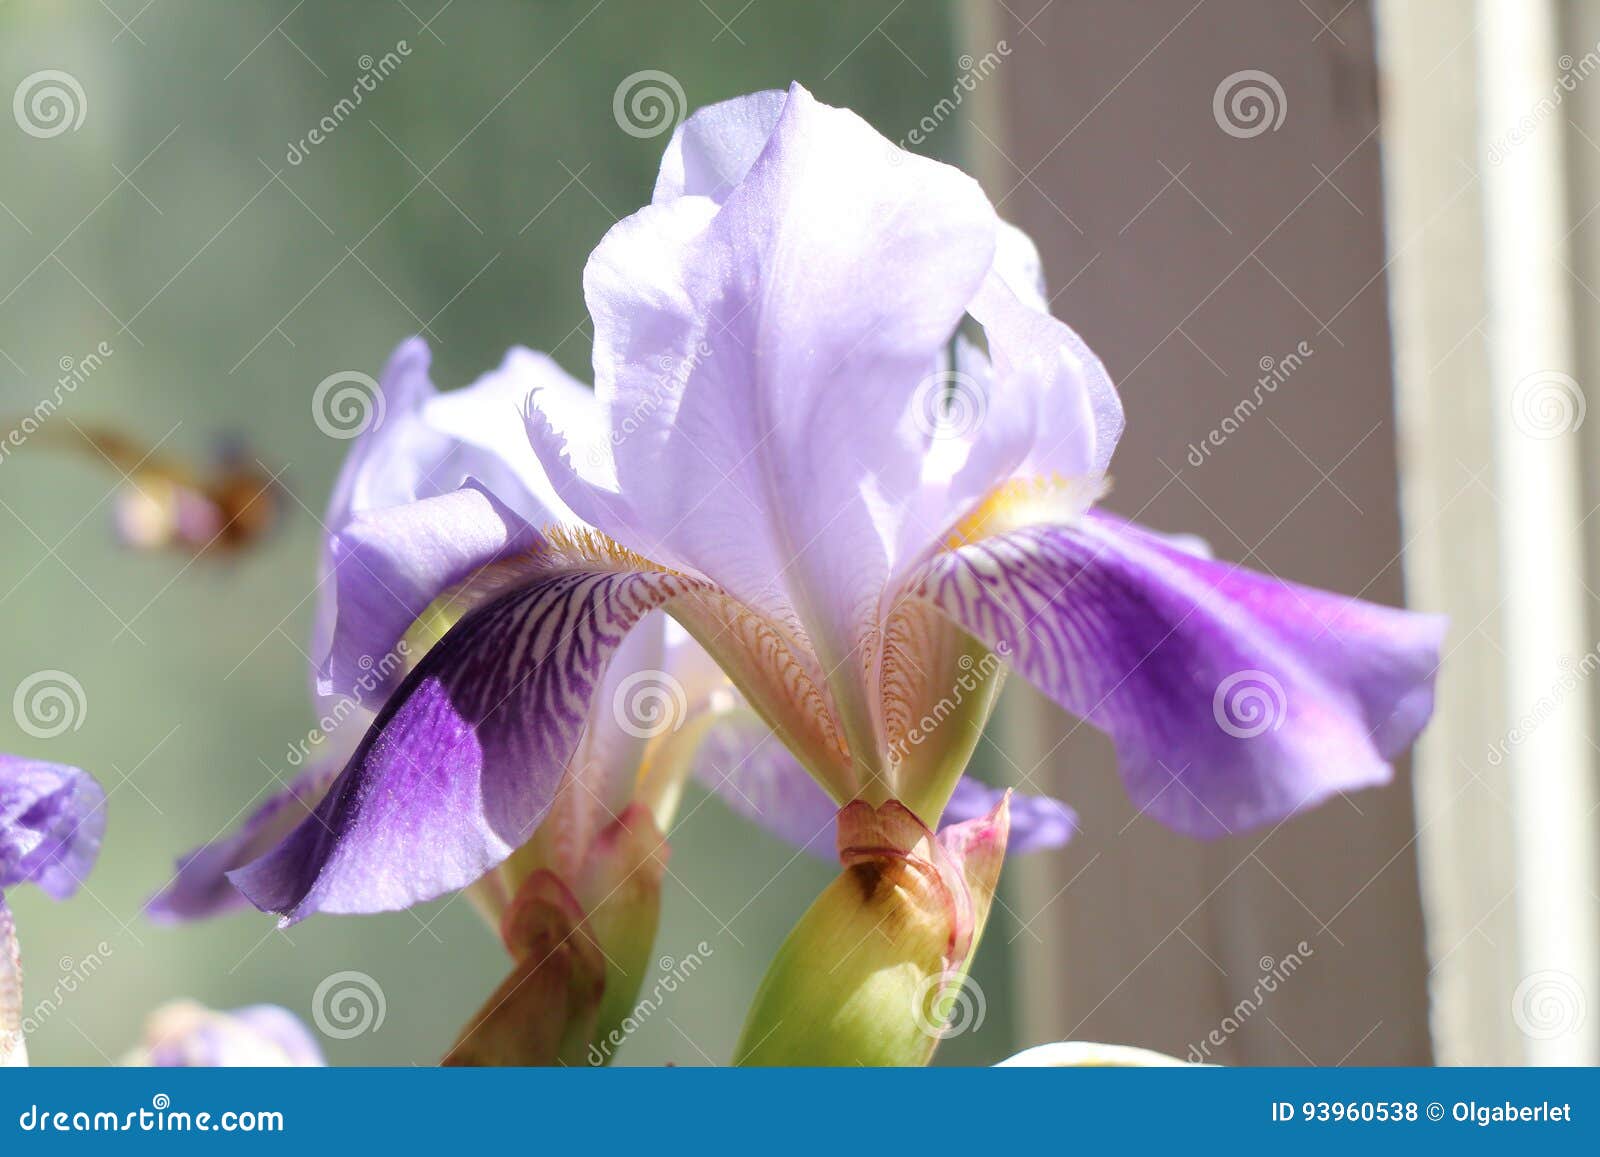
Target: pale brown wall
1156,937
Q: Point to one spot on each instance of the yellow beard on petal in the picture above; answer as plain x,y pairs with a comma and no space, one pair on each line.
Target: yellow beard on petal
1020,502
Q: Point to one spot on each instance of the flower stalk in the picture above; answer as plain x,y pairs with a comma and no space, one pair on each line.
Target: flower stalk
865,977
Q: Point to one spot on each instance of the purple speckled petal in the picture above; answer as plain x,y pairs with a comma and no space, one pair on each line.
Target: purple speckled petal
51,820
200,887
465,758
1234,699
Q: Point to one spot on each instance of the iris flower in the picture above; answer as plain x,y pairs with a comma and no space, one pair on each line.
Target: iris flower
435,500
837,436
187,1035
51,820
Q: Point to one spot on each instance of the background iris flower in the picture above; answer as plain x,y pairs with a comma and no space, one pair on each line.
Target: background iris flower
51,820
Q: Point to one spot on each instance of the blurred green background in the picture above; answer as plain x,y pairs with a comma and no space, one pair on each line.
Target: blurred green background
461,199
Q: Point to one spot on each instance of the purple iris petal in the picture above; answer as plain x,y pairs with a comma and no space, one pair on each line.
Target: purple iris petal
757,359
1234,699
464,760
1051,408
760,780
424,445
711,151
51,820
200,888
1038,822
391,564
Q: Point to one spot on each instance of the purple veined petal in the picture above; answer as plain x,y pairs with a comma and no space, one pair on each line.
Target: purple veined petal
186,1035
758,359
421,445
52,818
390,565
200,887
635,701
1234,699
466,757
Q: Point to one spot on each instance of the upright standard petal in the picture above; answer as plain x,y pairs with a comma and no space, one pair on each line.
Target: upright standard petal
51,820
711,151
775,454
1234,699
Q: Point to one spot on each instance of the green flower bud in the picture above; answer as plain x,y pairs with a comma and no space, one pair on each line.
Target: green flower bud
868,975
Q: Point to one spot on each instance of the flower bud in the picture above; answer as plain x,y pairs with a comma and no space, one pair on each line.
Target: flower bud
865,978
544,1012
581,940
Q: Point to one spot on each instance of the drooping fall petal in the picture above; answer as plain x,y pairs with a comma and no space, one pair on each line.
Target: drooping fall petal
1234,698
